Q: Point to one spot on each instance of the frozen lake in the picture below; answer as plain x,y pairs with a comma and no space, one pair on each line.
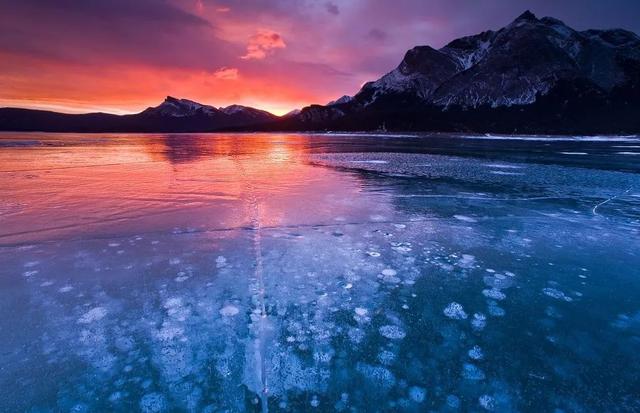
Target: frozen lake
290,272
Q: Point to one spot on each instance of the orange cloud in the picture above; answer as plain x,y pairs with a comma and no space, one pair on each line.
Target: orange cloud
226,73
263,43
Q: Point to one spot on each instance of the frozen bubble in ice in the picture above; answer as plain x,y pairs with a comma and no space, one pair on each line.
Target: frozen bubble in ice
65,289
314,401
391,279
392,332
466,261
494,293
173,302
487,402
181,278
471,372
464,218
377,218
124,344
95,314
456,311
114,244
495,310
229,310
400,226
221,261
476,353
379,376
29,273
453,401
557,294
417,394
361,311
389,272
46,284
174,261
167,333
356,335
498,281
31,264
323,356
79,408
386,357
348,286
153,403
401,246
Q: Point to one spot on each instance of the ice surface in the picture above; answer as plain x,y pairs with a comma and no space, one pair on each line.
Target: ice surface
256,273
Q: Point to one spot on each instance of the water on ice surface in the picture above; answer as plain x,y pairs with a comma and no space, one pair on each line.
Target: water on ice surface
289,273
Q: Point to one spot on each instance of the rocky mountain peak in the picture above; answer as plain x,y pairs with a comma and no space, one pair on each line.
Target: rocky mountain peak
527,16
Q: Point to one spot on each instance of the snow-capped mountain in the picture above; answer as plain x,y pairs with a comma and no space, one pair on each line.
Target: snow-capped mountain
172,115
248,113
341,100
180,108
498,80
234,114
291,113
512,66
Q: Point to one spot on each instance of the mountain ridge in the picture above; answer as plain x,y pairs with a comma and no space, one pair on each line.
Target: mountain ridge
172,115
534,75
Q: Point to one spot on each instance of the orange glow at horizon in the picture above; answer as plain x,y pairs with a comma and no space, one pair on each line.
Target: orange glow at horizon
131,89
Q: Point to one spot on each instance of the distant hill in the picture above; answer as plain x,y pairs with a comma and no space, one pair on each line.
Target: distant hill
172,115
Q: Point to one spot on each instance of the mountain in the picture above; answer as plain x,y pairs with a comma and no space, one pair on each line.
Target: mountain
172,115
340,100
532,76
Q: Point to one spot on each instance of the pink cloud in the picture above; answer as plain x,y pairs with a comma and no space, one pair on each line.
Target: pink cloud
263,43
226,73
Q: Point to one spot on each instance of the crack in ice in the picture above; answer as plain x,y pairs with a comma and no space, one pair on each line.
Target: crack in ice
595,208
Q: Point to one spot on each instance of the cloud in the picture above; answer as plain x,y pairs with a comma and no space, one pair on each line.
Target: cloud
226,73
377,35
332,8
263,43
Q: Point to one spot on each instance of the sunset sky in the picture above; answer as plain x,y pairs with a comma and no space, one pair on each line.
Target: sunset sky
122,56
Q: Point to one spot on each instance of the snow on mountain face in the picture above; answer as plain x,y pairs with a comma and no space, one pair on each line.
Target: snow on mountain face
181,107
292,113
228,116
512,66
247,112
421,71
340,100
